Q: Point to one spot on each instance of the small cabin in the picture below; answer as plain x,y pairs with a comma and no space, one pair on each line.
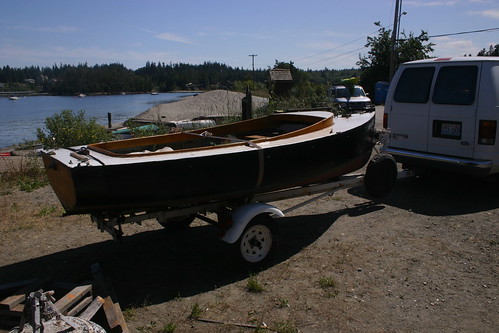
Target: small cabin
281,81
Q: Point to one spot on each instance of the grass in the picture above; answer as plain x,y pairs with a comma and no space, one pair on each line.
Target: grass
25,173
330,285
285,327
283,303
196,312
169,328
253,285
46,211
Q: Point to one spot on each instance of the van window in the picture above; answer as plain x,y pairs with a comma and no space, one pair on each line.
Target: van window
456,85
414,85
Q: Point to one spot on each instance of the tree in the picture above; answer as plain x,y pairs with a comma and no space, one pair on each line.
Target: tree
493,51
376,65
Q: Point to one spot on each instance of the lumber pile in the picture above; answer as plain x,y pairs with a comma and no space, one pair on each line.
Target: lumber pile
91,300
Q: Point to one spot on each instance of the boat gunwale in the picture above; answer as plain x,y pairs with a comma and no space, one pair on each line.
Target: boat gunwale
314,126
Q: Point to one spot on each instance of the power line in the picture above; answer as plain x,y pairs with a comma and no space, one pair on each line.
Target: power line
337,47
464,32
336,56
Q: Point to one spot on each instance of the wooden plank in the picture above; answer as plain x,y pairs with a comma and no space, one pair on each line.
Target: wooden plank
111,306
80,306
114,316
72,297
92,308
10,302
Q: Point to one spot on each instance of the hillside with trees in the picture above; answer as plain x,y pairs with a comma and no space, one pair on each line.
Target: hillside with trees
116,78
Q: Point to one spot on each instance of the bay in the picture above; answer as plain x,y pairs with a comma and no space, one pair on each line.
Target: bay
20,119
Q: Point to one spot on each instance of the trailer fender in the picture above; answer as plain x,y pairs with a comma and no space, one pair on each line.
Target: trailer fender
243,215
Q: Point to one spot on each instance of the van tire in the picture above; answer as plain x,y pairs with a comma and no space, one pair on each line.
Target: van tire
381,175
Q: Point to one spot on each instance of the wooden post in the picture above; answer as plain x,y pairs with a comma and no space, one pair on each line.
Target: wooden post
109,125
246,104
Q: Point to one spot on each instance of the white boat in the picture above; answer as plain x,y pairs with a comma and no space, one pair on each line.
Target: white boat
13,98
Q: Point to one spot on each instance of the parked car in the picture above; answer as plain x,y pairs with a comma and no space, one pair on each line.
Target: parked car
443,114
351,100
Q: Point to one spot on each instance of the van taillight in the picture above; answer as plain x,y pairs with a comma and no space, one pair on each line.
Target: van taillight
385,120
487,132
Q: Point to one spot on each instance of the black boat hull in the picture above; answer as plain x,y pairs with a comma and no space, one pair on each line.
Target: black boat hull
163,185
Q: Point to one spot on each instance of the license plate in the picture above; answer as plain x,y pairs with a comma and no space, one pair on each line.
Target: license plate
448,129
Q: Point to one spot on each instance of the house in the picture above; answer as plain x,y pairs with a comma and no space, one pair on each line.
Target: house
281,81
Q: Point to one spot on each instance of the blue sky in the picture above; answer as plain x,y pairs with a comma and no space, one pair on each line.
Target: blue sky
314,34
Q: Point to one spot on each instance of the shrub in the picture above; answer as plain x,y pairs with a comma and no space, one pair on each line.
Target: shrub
67,129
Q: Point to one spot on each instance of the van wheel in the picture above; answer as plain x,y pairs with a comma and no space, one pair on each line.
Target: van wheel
381,175
258,241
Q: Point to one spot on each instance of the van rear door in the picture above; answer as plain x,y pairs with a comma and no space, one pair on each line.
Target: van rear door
453,107
410,106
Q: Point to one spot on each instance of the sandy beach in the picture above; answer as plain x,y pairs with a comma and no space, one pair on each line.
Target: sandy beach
211,103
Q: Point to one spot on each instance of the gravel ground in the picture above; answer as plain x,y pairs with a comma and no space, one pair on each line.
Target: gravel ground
422,259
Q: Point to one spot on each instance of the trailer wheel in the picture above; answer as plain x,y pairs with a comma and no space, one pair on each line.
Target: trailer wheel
258,240
177,223
381,175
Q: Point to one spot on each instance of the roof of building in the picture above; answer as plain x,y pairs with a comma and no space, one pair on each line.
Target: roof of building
280,75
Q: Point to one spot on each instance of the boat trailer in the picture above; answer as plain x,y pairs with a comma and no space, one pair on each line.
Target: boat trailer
250,223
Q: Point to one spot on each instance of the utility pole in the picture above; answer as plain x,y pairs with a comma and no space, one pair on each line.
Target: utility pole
396,18
253,63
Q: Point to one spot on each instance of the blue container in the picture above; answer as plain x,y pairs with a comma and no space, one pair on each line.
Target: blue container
380,91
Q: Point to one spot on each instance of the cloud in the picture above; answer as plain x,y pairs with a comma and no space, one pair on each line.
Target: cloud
173,38
448,46
490,13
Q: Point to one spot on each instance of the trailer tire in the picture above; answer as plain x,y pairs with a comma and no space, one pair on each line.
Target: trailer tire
381,175
258,241
177,223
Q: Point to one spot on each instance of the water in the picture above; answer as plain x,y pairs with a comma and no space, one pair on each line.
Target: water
20,119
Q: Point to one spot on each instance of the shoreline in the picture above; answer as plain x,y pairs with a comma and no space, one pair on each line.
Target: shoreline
201,103
28,93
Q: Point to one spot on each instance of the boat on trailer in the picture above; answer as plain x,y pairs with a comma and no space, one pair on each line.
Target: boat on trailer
232,162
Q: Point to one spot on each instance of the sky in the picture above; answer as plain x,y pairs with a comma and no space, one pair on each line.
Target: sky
313,34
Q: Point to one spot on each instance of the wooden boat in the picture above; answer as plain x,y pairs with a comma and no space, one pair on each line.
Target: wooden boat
229,162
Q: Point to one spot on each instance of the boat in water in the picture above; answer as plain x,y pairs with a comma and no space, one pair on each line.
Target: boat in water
228,162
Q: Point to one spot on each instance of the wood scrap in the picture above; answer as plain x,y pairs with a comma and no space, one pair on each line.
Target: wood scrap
92,308
79,301
10,302
112,308
72,297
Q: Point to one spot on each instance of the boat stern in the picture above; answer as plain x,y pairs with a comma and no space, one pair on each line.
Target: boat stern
61,180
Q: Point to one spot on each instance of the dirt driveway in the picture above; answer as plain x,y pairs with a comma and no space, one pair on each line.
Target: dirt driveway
422,259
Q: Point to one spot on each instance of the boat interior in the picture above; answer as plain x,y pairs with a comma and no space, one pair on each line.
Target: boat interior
272,127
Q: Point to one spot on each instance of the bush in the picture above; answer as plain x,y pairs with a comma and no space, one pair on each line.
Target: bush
67,129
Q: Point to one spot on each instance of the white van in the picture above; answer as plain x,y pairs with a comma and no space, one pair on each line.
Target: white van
443,113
